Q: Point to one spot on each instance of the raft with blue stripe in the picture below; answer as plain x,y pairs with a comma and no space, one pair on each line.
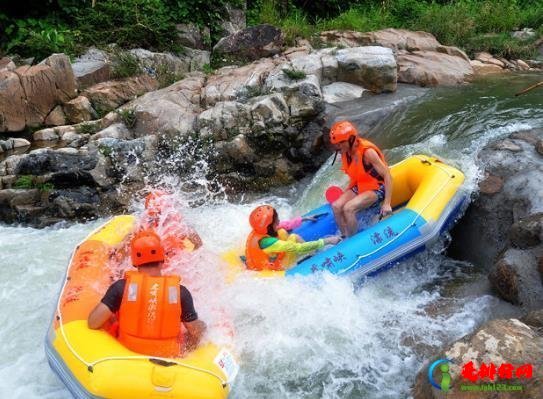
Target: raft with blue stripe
427,199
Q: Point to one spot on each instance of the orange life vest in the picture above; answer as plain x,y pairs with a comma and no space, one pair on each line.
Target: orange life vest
150,315
363,179
256,258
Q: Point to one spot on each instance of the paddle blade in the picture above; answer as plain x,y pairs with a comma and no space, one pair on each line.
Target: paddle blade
333,193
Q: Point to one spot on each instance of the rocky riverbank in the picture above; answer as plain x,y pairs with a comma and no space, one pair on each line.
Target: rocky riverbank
254,126
502,233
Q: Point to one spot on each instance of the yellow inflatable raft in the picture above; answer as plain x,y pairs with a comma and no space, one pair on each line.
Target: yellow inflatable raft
93,364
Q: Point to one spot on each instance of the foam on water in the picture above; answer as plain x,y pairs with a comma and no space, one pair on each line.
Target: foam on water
33,264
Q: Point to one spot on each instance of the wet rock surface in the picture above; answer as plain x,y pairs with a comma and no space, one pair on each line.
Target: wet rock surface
46,186
497,342
502,229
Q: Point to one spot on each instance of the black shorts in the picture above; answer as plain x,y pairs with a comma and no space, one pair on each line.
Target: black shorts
380,192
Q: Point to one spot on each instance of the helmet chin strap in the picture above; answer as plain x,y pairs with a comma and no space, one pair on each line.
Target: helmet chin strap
352,139
335,157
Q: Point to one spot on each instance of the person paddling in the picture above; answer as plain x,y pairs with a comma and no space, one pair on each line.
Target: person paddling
151,307
271,248
370,180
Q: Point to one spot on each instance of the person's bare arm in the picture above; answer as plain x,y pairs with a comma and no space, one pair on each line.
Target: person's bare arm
195,331
99,315
373,158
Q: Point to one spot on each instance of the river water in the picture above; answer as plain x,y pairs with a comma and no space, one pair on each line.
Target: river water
310,337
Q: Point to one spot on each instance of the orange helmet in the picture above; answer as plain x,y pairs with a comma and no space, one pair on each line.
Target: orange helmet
261,217
146,248
342,131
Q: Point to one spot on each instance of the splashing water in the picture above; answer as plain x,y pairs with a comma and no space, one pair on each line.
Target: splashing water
303,337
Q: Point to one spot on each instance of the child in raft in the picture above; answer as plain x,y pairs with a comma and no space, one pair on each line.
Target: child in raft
270,247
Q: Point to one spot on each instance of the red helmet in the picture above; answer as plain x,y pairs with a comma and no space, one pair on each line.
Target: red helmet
342,131
146,248
261,217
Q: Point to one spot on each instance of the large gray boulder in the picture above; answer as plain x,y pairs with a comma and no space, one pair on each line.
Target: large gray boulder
395,39
515,277
429,68
191,60
484,232
110,95
527,232
232,83
92,67
250,43
171,110
501,231
224,121
341,91
303,95
371,67
192,36
12,144
421,59
270,112
234,20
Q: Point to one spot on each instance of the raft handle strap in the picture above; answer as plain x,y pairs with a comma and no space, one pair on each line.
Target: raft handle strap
161,362
335,157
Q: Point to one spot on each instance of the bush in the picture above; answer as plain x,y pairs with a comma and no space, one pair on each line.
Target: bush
495,16
166,76
128,23
38,38
125,65
208,69
502,45
451,24
24,181
358,19
128,116
87,128
296,25
294,74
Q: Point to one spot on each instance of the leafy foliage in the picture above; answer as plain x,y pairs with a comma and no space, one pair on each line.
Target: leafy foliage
128,116
133,23
294,74
166,75
125,65
38,37
24,181
473,25
39,27
87,128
